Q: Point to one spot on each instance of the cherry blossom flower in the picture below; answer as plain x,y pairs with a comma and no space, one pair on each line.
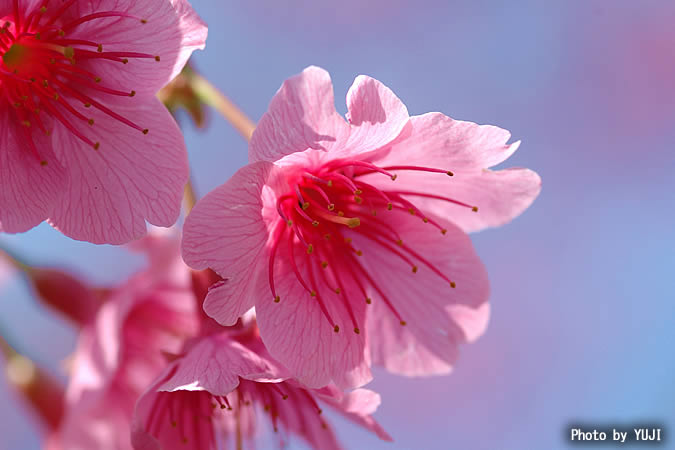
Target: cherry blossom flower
124,347
214,396
349,237
85,141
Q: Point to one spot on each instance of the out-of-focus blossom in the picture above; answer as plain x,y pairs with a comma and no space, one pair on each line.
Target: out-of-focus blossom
85,141
214,397
65,293
349,237
125,347
41,392
6,270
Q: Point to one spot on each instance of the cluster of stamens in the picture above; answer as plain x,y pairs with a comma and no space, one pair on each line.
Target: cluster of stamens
40,74
191,413
329,211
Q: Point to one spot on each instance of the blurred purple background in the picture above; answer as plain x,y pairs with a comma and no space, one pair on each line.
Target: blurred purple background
583,283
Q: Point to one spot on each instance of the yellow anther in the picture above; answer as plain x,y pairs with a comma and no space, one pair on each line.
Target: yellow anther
324,264
61,33
411,211
310,249
358,199
97,79
390,206
400,242
289,223
336,328
330,183
315,223
348,240
331,206
368,300
45,83
146,131
340,213
444,231
353,222
313,293
359,253
277,299
143,21
43,10
68,52
132,93
125,61
414,269
99,48
358,192
305,205
449,173
337,290
157,58
87,105
403,322
97,145
474,209
425,220
453,284
394,177
90,121
357,331
56,96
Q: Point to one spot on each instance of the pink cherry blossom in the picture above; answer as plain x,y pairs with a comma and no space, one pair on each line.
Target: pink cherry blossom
214,396
124,347
349,237
85,141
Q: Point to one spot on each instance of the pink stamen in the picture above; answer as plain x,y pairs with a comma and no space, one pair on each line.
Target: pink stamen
437,197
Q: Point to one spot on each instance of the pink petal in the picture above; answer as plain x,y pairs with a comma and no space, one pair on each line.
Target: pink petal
298,335
28,190
226,232
172,32
436,140
427,344
131,178
377,116
357,406
301,116
215,364
500,195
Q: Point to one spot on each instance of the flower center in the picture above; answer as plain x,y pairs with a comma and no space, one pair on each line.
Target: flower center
328,212
44,70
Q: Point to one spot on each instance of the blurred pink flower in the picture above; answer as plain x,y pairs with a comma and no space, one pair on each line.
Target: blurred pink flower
345,266
211,397
6,270
85,141
125,347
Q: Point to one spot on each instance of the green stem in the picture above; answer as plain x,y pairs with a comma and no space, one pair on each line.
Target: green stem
211,96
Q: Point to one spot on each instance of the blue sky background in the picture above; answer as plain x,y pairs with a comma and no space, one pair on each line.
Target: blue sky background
583,283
